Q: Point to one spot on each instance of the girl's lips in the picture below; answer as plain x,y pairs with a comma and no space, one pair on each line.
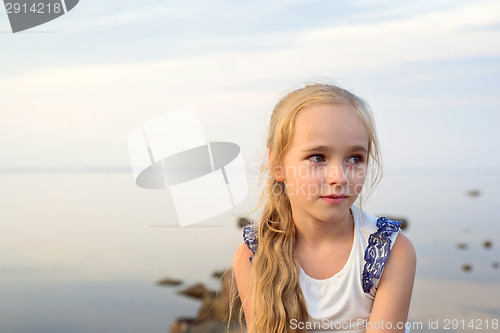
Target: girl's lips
335,196
334,200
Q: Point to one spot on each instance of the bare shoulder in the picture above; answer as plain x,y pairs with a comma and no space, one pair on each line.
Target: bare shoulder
402,260
242,257
404,250
241,267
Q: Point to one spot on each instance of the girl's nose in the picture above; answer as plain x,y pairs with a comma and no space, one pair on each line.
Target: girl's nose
337,174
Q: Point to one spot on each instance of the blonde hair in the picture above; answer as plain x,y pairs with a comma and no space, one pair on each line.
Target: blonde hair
274,289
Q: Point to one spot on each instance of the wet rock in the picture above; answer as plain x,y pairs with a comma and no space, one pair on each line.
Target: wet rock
216,305
404,225
208,326
181,325
218,274
213,316
462,246
487,243
243,222
169,282
473,193
466,267
222,300
207,311
195,291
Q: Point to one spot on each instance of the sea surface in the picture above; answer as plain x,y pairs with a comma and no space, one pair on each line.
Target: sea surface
83,251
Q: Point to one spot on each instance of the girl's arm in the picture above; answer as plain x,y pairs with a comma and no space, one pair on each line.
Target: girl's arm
241,266
392,300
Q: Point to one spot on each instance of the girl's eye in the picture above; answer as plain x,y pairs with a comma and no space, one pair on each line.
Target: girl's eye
317,158
356,159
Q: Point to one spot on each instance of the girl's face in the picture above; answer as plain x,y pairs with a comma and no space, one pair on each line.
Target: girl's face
327,156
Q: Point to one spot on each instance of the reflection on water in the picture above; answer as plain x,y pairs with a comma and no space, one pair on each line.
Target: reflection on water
81,252
88,306
455,235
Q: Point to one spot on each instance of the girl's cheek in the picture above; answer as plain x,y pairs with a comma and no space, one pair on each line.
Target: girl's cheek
358,189
304,187
358,186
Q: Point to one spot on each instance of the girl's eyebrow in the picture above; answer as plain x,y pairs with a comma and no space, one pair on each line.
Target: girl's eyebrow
328,149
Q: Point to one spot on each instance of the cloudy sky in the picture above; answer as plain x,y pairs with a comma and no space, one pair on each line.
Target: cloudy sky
73,89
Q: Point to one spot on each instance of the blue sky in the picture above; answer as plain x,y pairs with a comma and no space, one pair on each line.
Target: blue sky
73,89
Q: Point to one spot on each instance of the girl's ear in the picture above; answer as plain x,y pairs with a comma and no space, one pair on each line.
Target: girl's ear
278,173
277,170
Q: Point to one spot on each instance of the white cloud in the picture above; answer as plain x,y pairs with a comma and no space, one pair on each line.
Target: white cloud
89,98
432,36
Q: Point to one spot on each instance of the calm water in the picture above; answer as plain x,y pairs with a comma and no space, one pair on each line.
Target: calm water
81,252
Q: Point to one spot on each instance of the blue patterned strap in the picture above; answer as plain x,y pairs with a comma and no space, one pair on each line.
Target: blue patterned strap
378,250
250,238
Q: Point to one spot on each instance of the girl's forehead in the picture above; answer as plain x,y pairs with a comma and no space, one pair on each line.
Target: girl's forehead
338,124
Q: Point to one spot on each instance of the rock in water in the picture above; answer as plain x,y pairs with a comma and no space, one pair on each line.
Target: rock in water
210,326
181,325
169,282
487,243
473,193
218,274
466,267
206,311
405,223
222,300
213,315
243,222
196,291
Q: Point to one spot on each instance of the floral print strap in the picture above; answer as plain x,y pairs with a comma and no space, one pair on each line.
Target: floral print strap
250,238
377,252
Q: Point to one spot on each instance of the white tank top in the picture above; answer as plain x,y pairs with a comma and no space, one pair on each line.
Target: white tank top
339,302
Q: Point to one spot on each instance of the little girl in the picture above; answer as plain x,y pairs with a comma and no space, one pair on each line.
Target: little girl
314,262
